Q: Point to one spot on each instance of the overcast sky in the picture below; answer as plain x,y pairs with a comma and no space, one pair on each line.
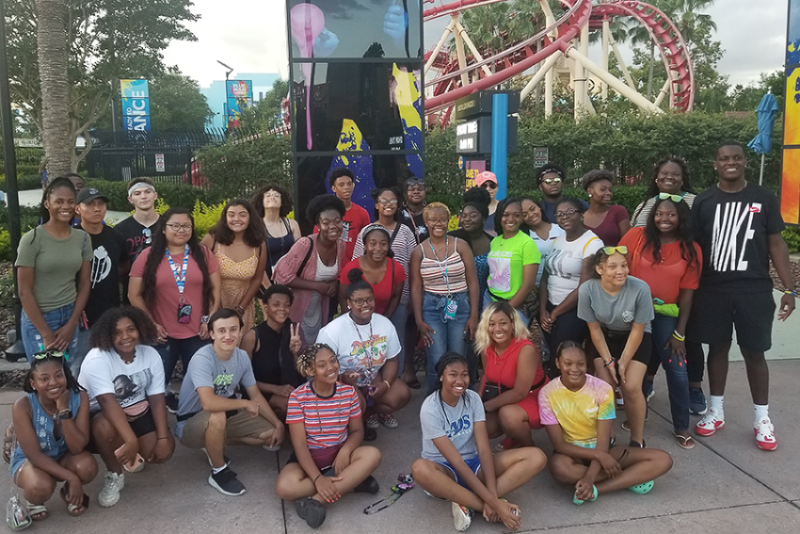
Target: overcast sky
250,36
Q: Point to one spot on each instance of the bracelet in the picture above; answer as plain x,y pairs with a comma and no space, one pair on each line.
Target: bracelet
315,480
678,336
165,437
240,309
608,362
791,292
388,385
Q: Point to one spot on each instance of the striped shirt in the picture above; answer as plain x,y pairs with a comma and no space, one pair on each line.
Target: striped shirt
325,418
432,272
642,211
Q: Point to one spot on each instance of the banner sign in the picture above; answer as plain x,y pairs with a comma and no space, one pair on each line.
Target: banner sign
239,96
790,179
135,104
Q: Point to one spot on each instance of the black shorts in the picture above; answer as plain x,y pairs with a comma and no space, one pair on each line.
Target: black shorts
616,344
141,426
714,315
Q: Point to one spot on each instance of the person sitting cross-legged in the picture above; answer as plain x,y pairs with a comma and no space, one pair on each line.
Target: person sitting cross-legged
457,463
577,410
326,429
211,416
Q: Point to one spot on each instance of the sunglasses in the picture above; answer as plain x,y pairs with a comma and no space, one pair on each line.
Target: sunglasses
49,354
489,185
612,250
674,198
549,181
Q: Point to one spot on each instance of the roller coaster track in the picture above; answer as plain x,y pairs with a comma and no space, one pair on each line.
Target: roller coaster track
523,55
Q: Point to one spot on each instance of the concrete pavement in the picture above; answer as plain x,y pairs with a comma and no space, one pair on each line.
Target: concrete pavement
724,485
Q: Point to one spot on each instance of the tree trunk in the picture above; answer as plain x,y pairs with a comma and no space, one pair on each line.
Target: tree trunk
650,74
53,54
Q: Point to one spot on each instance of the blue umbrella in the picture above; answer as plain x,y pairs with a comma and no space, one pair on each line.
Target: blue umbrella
762,142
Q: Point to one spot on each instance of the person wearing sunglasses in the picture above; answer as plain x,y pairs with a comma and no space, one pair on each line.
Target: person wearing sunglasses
670,175
177,283
610,222
618,309
550,179
139,228
367,346
52,426
665,255
488,181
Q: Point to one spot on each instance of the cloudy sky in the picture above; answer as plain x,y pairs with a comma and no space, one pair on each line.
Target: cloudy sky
250,36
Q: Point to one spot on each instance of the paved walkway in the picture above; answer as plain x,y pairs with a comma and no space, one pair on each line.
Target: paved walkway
724,485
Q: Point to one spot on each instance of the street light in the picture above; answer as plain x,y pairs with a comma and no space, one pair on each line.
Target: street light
227,72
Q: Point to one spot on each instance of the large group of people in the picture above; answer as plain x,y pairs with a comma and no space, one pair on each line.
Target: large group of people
346,308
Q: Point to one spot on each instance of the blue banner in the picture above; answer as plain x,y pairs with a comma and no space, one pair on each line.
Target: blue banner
239,97
135,104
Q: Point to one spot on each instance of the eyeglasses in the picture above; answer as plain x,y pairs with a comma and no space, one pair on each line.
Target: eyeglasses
565,214
489,185
49,354
613,250
549,181
360,303
674,198
180,227
385,201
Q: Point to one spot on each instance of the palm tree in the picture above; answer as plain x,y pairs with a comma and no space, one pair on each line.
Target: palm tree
53,54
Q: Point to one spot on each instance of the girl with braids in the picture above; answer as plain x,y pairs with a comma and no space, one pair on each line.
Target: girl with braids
129,424
325,426
54,263
177,283
367,345
52,425
578,413
665,256
457,463
671,176
237,240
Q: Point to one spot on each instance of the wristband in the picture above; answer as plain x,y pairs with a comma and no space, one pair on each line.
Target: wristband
791,292
678,336
608,362
315,480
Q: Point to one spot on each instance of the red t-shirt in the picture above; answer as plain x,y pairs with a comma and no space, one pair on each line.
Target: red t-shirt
383,291
670,275
165,308
355,219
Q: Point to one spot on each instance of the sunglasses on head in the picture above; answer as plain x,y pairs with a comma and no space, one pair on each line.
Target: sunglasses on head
49,354
674,198
489,185
612,250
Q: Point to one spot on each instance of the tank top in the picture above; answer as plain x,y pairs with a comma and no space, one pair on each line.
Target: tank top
502,369
43,425
432,272
277,247
272,362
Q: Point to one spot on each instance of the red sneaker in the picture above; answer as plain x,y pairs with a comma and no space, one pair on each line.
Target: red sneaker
709,424
765,435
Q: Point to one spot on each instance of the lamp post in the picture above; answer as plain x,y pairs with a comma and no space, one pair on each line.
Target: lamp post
17,350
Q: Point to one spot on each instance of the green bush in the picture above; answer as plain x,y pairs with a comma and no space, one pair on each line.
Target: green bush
24,182
7,290
5,245
792,237
172,194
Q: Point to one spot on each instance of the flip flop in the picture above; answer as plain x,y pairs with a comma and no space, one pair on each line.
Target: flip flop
684,442
38,512
73,510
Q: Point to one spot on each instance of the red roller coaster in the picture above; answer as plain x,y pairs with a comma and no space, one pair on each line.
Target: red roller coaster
563,40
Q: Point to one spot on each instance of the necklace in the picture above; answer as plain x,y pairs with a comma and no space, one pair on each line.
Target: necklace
319,416
372,352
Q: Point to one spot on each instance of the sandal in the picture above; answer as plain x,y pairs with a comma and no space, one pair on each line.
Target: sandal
685,442
73,510
643,488
577,501
38,512
414,383
8,443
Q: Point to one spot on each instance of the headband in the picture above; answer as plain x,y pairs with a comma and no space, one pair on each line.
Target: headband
371,228
140,185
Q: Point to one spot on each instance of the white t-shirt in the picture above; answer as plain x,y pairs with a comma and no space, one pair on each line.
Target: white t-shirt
564,264
104,372
545,246
361,348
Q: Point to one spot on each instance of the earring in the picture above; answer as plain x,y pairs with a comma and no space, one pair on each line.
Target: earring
590,195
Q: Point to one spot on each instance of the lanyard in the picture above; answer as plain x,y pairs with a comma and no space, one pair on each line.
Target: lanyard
180,276
446,278
372,351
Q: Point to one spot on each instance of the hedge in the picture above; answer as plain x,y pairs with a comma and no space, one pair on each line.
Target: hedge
171,194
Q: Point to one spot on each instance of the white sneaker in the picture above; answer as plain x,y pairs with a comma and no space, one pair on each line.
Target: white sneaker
109,495
765,435
462,517
710,423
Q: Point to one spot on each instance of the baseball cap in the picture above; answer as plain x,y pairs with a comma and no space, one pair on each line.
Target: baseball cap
485,176
88,194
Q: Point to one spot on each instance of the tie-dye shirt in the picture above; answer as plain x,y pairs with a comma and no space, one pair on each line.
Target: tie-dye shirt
577,411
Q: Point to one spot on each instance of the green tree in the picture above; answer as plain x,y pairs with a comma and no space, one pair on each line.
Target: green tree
177,104
267,113
105,40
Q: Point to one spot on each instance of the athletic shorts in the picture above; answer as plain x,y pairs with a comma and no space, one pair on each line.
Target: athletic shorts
616,342
141,426
714,315
240,425
473,463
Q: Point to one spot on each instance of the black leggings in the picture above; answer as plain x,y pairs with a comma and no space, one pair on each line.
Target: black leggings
567,327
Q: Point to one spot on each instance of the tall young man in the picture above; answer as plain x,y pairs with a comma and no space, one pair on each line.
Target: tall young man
211,414
414,194
355,218
109,265
137,230
550,178
738,225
